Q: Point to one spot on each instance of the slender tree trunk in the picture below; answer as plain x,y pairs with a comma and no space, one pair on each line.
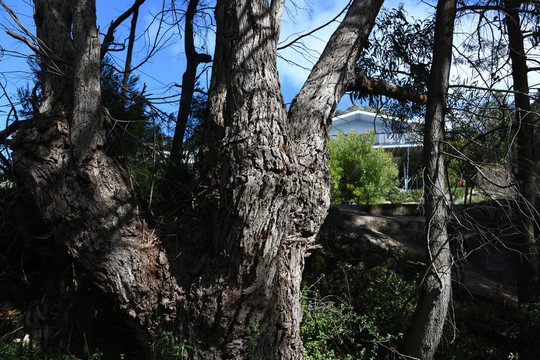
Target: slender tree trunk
529,267
131,43
194,59
230,282
435,291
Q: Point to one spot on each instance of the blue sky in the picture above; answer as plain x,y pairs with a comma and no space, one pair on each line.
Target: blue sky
165,69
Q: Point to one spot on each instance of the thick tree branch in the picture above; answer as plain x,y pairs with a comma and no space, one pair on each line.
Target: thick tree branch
334,70
131,43
189,80
11,129
276,11
373,86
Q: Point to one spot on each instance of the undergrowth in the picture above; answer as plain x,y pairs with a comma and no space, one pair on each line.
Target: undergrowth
354,312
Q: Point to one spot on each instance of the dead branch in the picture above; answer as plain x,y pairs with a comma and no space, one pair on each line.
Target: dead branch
109,37
24,40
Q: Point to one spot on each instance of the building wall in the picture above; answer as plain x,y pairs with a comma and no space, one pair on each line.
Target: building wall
360,121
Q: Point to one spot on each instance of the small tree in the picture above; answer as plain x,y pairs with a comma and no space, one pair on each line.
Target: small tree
358,171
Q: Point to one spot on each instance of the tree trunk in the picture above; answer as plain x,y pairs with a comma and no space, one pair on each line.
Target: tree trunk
230,285
529,267
189,79
129,54
83,194
435,291
529,264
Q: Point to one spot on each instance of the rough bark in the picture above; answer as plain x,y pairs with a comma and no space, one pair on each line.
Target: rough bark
274,182
435,289
83,194
529,266
231,287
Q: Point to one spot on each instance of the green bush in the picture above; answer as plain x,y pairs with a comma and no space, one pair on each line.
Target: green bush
398,196
359,172
356,313
324,326
17,350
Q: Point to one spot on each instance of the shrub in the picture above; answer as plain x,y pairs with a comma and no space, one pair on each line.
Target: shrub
359,172
356,313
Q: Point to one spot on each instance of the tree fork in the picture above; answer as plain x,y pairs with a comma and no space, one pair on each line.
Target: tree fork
238,274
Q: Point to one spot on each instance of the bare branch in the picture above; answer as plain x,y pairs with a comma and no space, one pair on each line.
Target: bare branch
24,40
501,91
17,21
109,37
316,29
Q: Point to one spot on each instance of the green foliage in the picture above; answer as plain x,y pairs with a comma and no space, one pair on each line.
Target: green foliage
398,196
253,342
359,172
399,51
368,325
529,318
17,350
170,347
134,135
133,129
326,326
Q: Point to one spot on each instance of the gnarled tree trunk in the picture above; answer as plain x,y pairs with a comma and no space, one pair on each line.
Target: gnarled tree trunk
231,287
82,193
